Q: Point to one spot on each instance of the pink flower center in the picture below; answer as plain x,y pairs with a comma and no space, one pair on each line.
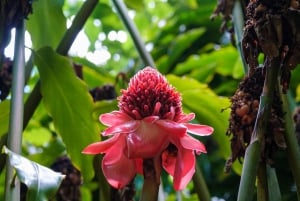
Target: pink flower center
149,94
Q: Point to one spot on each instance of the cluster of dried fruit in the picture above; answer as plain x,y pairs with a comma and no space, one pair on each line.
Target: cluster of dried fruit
273,29
70,186
224,7
244,109
105,92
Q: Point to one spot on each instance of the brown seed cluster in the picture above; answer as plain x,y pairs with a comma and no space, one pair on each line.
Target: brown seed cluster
244,109
273,29
70,186
105,92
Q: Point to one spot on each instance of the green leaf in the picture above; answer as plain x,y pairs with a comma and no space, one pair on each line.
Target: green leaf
67,100
41,181
298,93
207,106
204,66
51,151
4,116
47,24
37,136
135,4
181,44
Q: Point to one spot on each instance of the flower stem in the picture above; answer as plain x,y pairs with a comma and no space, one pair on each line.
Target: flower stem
14,140
152,170
200,185
252,155
293,152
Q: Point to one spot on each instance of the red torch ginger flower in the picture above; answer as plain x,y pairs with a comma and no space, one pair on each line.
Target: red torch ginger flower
150,123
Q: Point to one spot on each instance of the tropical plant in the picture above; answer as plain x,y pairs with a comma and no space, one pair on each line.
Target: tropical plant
234,64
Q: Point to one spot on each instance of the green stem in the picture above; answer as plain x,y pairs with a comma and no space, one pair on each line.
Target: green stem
273,185
104,190
239,22
133,31
152,170
252,155
200,185
293,153
14,141
262,183
78,22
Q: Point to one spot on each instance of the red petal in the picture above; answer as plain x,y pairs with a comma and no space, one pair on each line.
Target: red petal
139,165
113,165
168,162
191,143
185,118
127,127
118,173
201,130
114,118
100,147
151,119
173,128
147,141
185,168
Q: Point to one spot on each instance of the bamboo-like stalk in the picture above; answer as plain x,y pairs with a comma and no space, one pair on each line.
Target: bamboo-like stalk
252,155
262,182
200,185
14,141
273,185
239,22
134,33
293,152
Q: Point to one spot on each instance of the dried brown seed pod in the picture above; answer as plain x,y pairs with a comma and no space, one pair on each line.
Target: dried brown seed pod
244,108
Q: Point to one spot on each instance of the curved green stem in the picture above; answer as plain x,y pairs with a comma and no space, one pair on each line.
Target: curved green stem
200,185
14,141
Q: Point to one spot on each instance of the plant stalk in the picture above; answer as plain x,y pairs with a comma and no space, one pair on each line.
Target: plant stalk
14,141
252,155
262,183
293,152
200,185
134,33
239,22
152,170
